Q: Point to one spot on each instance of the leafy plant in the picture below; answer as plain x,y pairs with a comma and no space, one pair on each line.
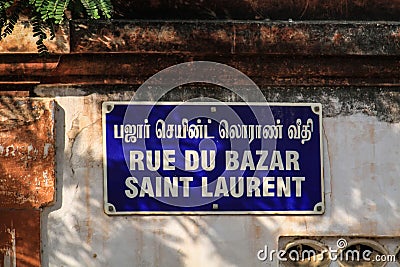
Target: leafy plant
46,15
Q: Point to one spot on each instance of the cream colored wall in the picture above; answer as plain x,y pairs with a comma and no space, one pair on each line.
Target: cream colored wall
362,192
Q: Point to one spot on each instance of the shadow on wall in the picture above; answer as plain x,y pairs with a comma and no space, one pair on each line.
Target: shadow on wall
60,158
80,234
76,232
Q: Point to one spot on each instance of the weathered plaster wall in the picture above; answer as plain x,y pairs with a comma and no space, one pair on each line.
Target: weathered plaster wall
27,176
361,137
351,67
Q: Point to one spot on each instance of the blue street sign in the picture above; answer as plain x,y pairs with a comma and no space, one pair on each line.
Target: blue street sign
212,158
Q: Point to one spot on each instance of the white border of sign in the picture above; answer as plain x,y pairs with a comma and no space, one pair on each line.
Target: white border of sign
109,209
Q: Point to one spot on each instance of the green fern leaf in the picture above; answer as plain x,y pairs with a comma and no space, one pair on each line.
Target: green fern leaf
105,7
59,11
50,10
91,8
46,15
